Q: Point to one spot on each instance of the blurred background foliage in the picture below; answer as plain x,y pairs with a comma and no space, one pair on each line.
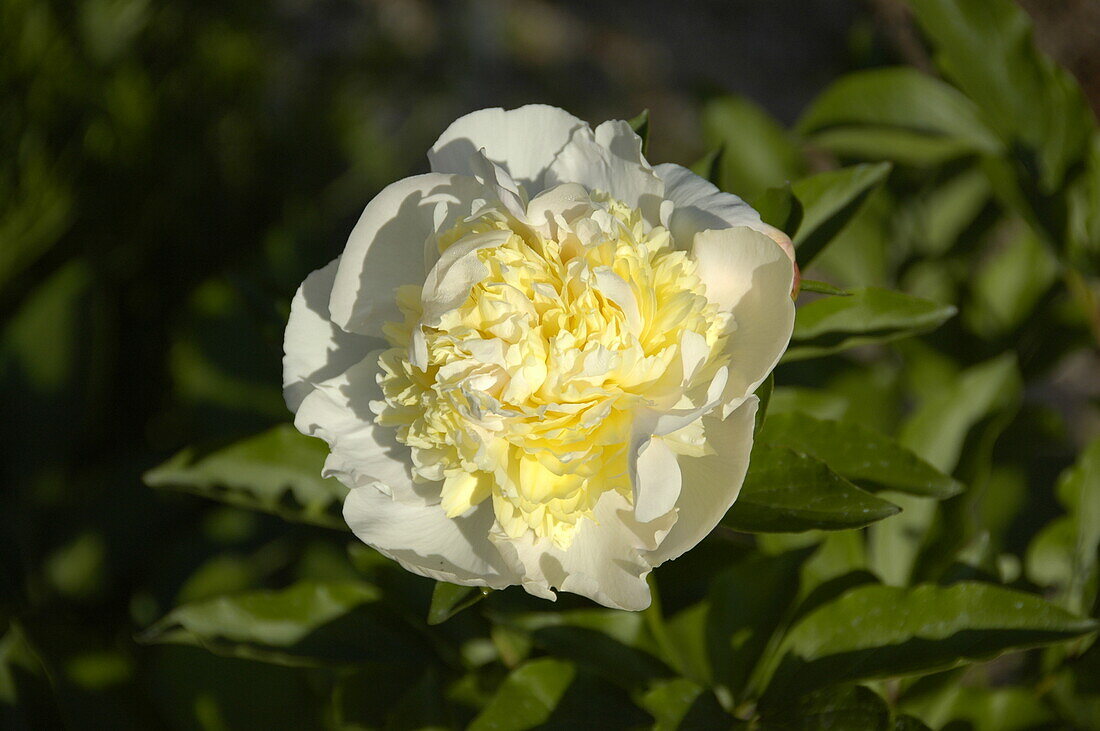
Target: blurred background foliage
172,171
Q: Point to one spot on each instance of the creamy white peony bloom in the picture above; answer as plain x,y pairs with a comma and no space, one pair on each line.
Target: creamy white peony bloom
535,365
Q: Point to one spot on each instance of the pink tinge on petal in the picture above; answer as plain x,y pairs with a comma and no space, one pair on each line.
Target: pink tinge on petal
787,245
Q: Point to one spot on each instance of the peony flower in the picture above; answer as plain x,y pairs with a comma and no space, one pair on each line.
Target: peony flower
535,364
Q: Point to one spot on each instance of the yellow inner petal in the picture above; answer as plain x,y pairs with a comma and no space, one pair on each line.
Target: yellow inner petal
531,385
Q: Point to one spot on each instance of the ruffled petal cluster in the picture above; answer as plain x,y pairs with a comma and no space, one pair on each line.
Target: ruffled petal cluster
535,364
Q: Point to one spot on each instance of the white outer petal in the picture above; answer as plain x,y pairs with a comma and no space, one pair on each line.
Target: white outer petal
386,247
610,160
651,424
607,561
710,484
507,190
314,348
750,277
701,206
361,452
425,541
658,482
523,141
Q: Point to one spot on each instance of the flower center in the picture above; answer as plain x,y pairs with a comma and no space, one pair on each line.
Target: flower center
520,365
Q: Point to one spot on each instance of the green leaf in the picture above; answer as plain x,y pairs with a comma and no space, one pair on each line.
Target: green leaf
682,704
900,146
940,216
937,432
764,393
1064,554
779,207
819,403
450,599
640,125
39,206
829,201
1037,108
709,165
937,429
527,697
1083,245
870,315
204,691
757,153
390,695
277,471
900,98
876,631
1009,283
850,707
788,492
1051,554
605,642
864,456
26,694
813,285
310,623
745,605
668,701
982,709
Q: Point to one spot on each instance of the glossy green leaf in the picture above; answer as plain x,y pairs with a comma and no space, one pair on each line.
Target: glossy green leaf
986,49
390,695
1051,555
829,201
862,455
870,315
200,690
1009,283
26,694
819,403
764,393
1083,244
818,287
709,165
903,98
682,704
939,216
948,419
901,147
745,605
943,700
527,696
875,631
277,471
981,709
668,701
780,207
37,210
603,642
860,257
309,623
788,492
1064,554
937,429
849,707
450,599
757,153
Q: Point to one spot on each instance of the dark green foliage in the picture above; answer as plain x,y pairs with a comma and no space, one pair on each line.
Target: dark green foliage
916,544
